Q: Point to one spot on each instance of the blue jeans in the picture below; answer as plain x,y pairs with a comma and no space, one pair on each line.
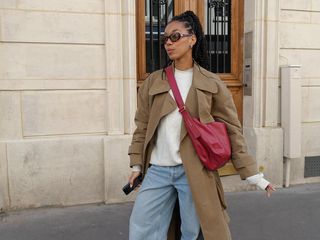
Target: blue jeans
152,211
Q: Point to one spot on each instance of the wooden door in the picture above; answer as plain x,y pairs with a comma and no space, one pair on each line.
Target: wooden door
224,35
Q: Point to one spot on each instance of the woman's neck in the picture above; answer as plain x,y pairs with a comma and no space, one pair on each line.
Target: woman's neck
183,64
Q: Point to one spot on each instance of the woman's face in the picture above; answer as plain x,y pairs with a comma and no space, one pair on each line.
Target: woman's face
181,48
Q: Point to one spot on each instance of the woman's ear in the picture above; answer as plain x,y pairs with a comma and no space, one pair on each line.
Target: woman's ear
193,40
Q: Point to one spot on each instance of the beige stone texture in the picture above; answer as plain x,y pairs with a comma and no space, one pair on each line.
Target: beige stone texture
129,47
248,109
47,172
128,7
272,51
297,171
114,7
310,136
94,6
315,17
315,5
114,71
34,26
44,84
266,145
308,61
314,82
51,61
4,191
115,106
10,115
263,21
295,16
310,104
114,46
129,68
117,170
305,39
271,71
63,112
273,10
272,102
233,183
296,4
130,104
249,6
8,3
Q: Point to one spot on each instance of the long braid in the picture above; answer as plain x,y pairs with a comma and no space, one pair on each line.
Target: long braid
193,25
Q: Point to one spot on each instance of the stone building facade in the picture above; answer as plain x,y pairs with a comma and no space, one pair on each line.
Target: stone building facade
68,96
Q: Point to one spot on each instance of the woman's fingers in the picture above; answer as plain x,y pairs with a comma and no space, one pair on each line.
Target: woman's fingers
269,190
132,177
137,188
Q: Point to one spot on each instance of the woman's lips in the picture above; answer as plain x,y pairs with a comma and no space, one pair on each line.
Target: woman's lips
169,51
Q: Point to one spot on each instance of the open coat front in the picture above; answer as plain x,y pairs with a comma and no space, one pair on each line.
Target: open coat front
209,100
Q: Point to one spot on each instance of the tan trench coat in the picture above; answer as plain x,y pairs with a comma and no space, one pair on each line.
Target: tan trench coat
210,100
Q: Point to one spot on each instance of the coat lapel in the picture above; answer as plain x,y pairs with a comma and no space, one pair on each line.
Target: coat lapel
162,104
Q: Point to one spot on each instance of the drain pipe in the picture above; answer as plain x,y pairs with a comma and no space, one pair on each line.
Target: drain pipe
290,116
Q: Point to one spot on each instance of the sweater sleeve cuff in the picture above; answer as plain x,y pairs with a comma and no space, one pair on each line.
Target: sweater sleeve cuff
258,180
136,168
263,184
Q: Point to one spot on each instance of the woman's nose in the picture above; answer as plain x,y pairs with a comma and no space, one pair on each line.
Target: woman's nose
168,42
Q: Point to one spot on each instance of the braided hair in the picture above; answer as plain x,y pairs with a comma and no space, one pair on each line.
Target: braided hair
193,26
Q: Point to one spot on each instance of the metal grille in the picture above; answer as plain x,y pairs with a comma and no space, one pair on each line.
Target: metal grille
218,35
157,14
312,167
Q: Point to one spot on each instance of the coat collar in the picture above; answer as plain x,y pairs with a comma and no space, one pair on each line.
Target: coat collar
201,80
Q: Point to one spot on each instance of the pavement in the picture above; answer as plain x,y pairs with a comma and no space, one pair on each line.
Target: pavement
290,214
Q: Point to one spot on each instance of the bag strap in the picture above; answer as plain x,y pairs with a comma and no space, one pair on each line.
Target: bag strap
182,109
175,89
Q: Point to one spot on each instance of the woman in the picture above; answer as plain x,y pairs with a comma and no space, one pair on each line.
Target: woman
163,152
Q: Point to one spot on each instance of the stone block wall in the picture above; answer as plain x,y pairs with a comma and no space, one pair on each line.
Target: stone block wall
300,45
285,32
67,95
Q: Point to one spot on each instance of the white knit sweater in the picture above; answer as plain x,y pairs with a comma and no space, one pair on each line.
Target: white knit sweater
166,149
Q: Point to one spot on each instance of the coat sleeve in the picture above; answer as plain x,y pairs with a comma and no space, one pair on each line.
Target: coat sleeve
224,110
141,120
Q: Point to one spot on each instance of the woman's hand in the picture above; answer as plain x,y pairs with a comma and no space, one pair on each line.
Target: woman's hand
133,176
269,190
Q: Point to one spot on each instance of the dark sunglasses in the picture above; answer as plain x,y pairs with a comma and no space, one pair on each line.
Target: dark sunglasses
174,37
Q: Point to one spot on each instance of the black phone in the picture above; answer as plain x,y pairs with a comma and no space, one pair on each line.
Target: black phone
127,189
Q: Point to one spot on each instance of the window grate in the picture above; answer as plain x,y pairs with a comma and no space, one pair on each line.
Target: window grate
218,35
312,167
